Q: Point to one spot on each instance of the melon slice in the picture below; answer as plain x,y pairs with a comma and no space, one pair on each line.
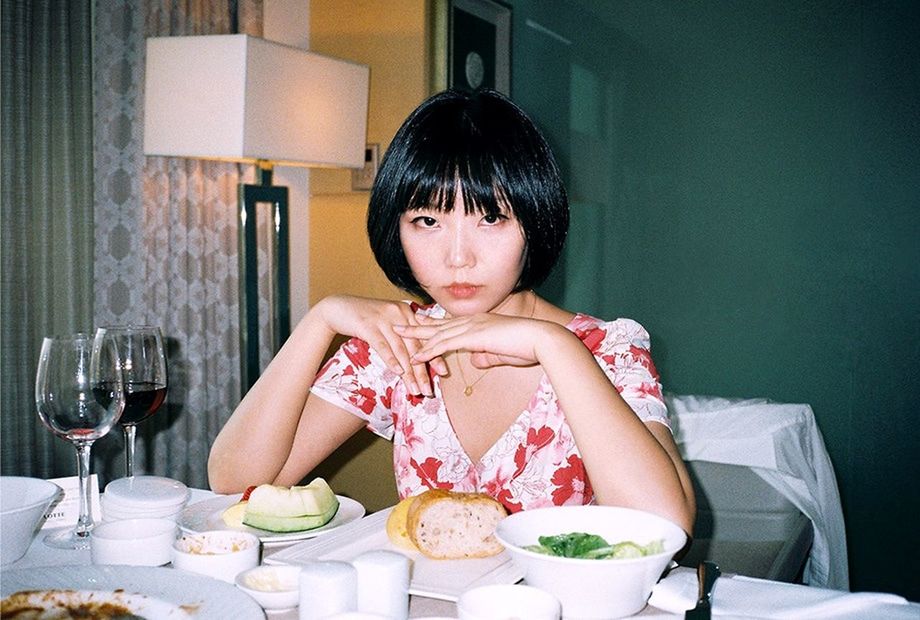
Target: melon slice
294,509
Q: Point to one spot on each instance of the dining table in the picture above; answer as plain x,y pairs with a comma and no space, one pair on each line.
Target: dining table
41,557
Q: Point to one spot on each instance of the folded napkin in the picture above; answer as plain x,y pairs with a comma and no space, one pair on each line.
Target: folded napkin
758,598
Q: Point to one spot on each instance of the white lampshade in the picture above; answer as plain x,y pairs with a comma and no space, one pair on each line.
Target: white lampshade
243,98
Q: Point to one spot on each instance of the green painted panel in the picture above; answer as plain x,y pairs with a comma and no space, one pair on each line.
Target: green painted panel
745,182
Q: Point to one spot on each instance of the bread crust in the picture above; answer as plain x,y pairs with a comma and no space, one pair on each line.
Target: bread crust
452,525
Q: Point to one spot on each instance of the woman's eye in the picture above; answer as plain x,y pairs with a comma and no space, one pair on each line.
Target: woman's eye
493,218
424,221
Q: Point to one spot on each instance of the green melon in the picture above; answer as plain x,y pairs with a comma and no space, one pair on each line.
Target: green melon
282,509
274,523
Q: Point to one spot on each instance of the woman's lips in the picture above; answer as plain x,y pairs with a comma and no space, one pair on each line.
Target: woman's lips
463,290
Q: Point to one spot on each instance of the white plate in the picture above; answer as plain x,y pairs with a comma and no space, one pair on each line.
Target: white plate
441,579
205,515
155,592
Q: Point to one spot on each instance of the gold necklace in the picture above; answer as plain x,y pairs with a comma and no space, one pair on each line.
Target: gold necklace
468,387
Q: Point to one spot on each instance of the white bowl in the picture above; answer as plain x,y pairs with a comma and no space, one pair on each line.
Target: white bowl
222,554
273,587
592,588
23,503
135,542
502,601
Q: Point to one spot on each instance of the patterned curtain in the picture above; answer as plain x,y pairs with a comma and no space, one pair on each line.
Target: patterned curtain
46,203
166,239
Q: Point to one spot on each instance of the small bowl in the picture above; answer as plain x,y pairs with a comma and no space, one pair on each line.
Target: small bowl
501,601
273,587
135,542
591,588
222,554
23,504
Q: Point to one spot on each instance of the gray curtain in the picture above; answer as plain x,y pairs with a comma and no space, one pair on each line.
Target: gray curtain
166,239
47,212
95,233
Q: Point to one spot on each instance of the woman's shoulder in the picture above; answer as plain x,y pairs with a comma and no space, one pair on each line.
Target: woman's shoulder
620,330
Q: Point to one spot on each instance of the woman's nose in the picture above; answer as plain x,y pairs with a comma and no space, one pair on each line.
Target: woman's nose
460,251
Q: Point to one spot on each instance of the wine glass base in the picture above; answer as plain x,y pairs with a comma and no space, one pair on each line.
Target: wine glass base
68,539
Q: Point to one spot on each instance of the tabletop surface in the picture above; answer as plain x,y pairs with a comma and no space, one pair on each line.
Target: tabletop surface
39,554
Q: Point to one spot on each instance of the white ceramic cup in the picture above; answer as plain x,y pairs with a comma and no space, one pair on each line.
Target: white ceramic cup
508,602
222,554
136,542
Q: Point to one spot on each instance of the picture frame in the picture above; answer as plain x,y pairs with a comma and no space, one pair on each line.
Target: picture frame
478,45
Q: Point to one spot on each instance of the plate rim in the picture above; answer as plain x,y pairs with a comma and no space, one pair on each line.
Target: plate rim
155,582
222,502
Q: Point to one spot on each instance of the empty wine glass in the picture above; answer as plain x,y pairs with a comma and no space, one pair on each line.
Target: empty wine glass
79,396
143,366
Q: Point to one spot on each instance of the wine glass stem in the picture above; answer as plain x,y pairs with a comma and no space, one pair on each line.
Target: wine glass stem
130,433
85,522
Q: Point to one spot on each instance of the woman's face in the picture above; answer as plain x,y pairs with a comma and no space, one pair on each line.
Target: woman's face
466,263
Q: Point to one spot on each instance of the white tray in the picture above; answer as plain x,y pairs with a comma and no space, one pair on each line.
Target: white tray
440,579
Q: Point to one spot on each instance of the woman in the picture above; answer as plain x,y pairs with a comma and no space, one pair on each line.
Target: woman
488,387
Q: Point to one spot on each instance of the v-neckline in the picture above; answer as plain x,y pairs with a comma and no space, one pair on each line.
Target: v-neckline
455,439
542,386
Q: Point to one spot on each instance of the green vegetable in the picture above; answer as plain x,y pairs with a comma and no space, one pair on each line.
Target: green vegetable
593,547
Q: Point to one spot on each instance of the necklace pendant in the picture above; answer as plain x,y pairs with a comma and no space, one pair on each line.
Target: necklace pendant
468,390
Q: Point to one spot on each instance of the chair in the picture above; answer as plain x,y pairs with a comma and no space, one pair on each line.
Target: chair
755,465
745,525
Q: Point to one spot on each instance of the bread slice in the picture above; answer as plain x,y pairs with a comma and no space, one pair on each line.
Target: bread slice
447,525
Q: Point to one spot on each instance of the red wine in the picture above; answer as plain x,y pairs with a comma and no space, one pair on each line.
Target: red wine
142,399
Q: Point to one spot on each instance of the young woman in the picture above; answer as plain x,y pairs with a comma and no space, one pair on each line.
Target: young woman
487,387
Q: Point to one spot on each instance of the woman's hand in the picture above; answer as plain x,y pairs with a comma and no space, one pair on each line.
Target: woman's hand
492,339
374,321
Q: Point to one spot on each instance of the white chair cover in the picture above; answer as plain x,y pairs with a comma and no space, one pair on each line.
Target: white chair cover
781,443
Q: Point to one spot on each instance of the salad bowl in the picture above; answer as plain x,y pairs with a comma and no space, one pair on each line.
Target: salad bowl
616,555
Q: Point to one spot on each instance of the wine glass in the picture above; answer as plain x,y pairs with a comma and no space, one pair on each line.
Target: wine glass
143,366
79,396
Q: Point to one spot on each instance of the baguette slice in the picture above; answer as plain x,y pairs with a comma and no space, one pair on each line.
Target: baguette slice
445,525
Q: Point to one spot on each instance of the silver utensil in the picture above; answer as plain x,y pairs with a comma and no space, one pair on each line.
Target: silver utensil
707,573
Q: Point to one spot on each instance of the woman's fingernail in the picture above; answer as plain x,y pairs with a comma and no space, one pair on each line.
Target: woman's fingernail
399,328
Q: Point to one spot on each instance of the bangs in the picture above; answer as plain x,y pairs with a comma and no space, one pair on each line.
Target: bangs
465,155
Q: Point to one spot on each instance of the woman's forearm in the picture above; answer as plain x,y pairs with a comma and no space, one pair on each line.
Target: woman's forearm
627,464
256,441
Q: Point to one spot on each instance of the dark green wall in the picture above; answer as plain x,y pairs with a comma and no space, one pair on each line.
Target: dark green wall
745,182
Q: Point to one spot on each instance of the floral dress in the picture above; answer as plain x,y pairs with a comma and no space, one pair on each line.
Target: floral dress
534,463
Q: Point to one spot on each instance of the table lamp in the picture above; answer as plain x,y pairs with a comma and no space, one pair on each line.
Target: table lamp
245,99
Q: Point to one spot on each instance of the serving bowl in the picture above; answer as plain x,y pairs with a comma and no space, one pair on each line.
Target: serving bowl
592,588
23,503
274,587
135,542
222,554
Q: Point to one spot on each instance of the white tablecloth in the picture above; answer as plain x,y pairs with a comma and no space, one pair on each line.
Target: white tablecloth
676,593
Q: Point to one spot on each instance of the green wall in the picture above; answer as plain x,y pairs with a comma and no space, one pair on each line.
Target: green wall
745,182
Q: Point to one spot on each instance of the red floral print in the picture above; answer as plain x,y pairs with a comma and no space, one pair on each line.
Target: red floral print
358,352
570,481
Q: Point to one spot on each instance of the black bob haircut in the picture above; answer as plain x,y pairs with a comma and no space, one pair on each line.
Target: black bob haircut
488,144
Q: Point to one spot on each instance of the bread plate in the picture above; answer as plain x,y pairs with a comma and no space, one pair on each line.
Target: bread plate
206,515
440,579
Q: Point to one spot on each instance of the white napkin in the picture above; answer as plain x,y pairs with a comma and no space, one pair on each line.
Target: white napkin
758,598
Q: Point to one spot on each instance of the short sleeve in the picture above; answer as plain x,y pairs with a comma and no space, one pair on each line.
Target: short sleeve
357,380
622,348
